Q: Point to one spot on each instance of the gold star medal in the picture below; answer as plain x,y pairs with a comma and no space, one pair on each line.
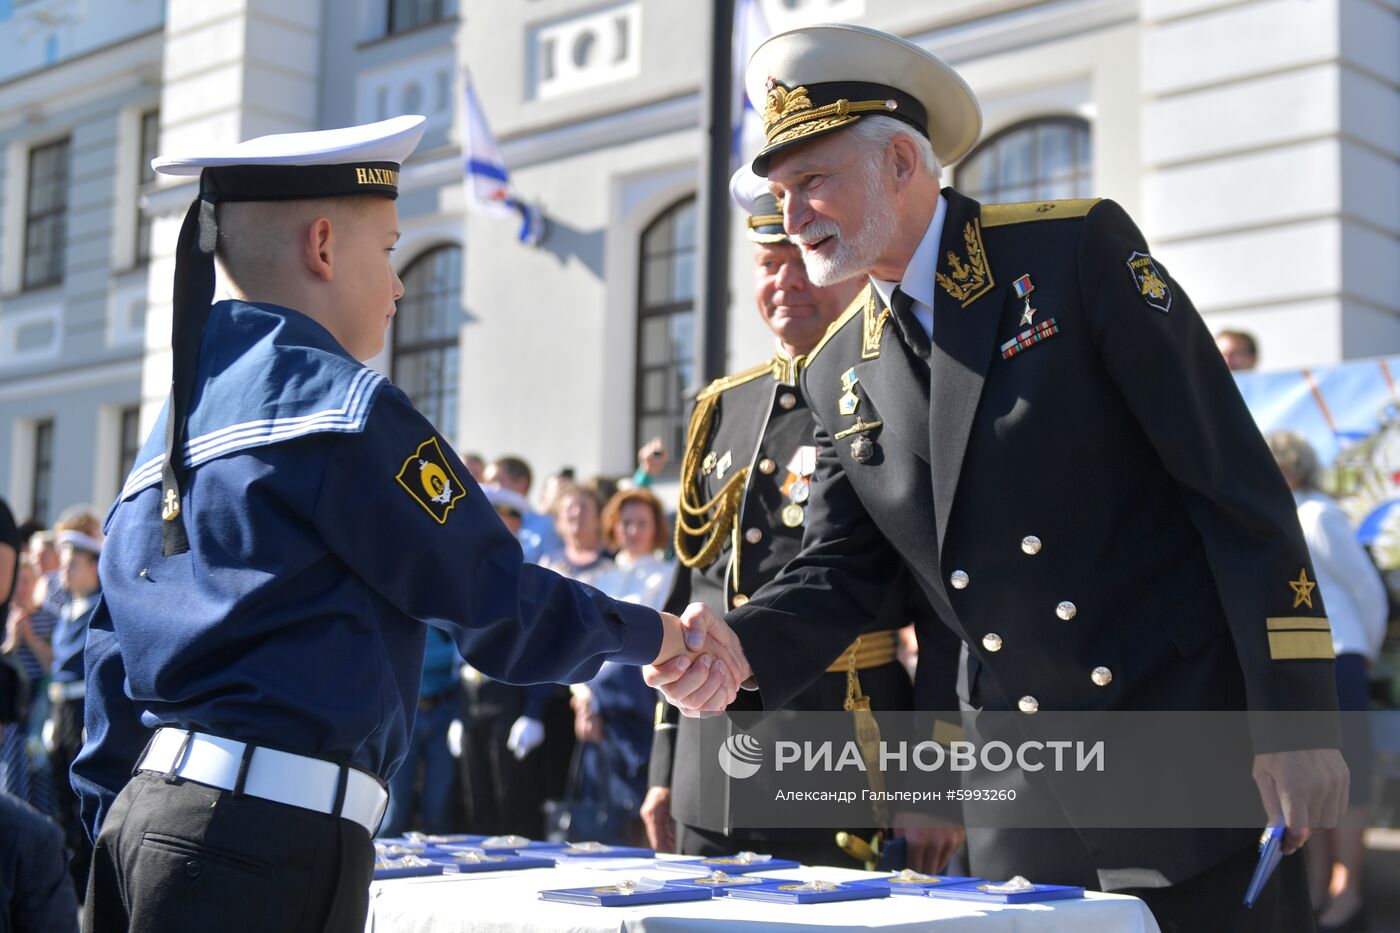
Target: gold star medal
1023,289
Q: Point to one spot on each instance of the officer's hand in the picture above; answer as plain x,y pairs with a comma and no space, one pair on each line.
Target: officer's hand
656,817
1306,790
526,734
931,842
705,684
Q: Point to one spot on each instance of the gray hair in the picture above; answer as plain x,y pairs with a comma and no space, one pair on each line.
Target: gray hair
876,131
1296,458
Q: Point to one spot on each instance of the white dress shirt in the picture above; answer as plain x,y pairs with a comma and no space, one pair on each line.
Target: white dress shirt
918,275
1351,587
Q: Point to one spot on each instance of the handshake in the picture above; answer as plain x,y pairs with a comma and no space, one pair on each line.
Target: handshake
701,666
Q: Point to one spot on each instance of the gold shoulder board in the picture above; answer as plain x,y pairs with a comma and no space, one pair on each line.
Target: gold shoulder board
1001,215
739,378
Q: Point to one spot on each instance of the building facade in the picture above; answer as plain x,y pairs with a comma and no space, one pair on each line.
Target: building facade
1257,142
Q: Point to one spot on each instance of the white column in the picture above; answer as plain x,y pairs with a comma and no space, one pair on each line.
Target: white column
1271,152
233,69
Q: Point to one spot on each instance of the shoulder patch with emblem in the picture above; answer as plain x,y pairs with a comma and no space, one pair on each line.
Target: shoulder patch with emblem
1151,283
428,477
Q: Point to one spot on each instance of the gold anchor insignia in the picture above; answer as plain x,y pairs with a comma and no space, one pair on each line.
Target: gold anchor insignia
783,103
171,511
967,282
1302,589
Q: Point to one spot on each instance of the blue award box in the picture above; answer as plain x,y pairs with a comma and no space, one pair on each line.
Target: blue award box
740,864
627,894
988,893
599,850
719,882
913,883
405,868
473,860
808,892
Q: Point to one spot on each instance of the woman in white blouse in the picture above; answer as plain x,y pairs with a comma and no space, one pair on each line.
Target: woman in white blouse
1358,609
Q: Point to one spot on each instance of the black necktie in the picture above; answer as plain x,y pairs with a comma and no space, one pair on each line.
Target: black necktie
902,309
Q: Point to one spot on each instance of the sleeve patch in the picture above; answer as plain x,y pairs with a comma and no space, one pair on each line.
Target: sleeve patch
427,476
1150,282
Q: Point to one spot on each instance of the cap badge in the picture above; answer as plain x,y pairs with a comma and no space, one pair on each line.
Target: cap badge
783,103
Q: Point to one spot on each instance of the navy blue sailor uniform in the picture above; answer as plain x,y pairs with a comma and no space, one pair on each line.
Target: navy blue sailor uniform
269,571
745,485
1082,496
329,522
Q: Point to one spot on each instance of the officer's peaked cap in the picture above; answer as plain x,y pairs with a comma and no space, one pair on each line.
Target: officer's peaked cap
808,82
764,220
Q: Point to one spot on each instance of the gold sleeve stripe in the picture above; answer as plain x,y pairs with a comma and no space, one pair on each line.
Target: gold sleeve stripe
1000,215
1299,624
1301,646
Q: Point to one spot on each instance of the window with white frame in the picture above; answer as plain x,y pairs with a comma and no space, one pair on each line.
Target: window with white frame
41,487
665,362
46,214
1041,159
426,331
145,175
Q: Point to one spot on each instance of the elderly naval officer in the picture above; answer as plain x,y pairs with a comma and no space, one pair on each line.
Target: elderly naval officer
1026,408
746,477
290,527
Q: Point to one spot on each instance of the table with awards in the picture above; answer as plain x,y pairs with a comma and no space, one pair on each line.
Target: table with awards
460,884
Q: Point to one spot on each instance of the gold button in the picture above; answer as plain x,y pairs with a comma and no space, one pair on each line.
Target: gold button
1028,704
1030,544
1102,676
991,641
959,579
1066,610
766,465
787,400
739,599
753,535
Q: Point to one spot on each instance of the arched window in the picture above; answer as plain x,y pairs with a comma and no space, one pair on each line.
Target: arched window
666,326
1037,160
426,329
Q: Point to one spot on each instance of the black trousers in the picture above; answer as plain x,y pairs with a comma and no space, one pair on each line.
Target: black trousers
67,743
1214,899
182,856
808,846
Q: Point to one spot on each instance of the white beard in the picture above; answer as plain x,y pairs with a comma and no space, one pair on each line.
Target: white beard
856,254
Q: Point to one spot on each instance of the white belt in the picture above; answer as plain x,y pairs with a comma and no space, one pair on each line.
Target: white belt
282,777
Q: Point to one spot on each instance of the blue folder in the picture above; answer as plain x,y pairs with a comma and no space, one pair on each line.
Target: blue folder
1270,854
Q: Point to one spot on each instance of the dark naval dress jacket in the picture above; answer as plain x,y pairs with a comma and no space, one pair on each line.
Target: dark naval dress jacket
1083,498
746,485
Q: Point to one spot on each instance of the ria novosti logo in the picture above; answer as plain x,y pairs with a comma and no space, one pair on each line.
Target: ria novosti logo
740,756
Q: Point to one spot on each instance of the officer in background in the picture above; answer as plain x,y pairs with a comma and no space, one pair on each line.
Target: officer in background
745,484
1025,410
288,530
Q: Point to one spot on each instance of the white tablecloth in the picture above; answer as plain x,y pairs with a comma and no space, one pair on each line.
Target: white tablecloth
508,902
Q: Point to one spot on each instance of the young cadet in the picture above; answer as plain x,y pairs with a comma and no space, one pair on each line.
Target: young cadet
289,528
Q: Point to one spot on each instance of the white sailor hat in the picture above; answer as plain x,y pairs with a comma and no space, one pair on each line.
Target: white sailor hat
815,80
346,162
79,541
765,218
508,500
